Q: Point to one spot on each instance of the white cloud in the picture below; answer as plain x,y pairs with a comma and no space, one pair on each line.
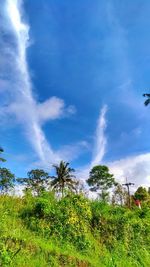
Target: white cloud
100,138
20,101
135,168
25,105
31,114
73,151
100,142
53,108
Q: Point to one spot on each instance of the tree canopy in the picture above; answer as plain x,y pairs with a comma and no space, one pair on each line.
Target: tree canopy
120,195
37,181
64,178
100,180
7,180
141,194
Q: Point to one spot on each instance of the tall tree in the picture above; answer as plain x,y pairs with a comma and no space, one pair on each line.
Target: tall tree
37,181
100,180
7,180
64,178
141,194
1,151
147,101
120,195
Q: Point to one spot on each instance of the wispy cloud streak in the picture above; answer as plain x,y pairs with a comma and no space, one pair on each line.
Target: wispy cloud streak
100,142
27,108
100,138
16,83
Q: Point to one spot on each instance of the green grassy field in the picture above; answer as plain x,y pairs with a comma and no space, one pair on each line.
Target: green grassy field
74,231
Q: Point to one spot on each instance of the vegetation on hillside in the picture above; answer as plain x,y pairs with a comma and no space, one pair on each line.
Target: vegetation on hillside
55,224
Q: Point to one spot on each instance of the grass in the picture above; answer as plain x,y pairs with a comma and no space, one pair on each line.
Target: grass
116,237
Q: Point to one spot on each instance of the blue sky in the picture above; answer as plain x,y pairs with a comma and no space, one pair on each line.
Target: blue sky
72,75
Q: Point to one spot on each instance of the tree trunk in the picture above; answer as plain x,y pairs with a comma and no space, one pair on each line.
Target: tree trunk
62,190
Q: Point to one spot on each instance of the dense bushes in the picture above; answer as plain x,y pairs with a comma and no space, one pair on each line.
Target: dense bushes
66,220
72,231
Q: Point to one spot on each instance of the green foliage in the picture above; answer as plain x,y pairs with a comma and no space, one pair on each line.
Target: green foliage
40,229
65,220
37,181
7,180
72,220
64,178
120,196
1,151
141,194
72,231
121,231
101,180
147,101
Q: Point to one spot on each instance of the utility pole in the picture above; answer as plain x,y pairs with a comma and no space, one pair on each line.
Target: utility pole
128,190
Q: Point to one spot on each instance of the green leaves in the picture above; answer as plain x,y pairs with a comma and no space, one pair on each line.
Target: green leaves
7,180
64,178
35,227
37,181
147,102
141,194
1,151
101,180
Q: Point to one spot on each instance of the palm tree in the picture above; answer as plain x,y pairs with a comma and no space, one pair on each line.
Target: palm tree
64,178
147,100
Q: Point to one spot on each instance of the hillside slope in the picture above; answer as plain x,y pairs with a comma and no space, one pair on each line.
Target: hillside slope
74,231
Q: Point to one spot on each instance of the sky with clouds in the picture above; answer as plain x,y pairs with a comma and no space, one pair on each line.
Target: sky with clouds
72,75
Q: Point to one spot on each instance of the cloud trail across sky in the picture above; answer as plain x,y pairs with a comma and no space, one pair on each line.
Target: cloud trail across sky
99,146
22,103
25,106
86,60
100,138
135,168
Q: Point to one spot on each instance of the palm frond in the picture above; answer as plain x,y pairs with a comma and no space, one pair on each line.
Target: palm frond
64,177
147,102
146,95
54,182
